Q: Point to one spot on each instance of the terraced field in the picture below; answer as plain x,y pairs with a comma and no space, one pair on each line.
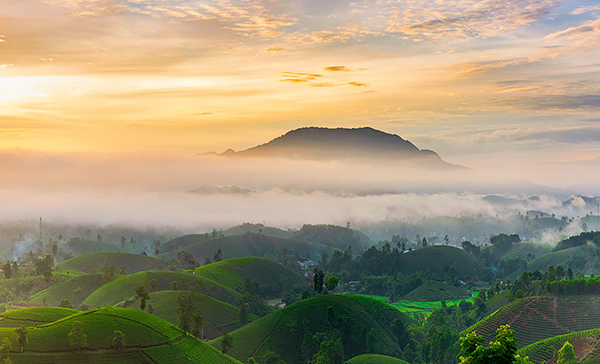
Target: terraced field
148,340
75,290
124,287
93,262
234,273
218,315
542,317
34,316
357,315
435,291
375,359
586,345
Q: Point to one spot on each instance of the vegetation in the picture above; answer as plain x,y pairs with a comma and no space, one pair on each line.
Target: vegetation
94,262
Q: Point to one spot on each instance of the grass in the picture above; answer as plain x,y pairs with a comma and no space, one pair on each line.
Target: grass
75,290
218,315
356,314
542,317
586,345
436,291
375,359
247,245
234,273
123,288
149,339
93,262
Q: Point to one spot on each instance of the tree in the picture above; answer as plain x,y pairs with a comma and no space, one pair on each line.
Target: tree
332,283
118,341
331,352
142,293
5,351
77,337
226,342
372,341
566,354
21,336
190,319
318,280
243,313
502,350
7,267
218,256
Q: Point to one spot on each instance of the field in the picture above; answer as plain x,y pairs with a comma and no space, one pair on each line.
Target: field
93,262
542,317
247,245
34,316
123,288
218,316
74,290
413,307
234,273
375,359
586,345
148,340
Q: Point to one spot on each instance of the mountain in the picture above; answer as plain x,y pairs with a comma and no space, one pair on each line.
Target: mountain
314,143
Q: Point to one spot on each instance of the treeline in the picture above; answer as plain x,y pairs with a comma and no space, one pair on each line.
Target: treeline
578,240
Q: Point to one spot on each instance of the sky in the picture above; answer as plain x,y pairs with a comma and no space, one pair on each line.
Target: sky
511,85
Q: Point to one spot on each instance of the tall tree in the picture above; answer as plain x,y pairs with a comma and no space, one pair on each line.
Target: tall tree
22,336
142,293
77,337
226,342
118,341
502,350
566,354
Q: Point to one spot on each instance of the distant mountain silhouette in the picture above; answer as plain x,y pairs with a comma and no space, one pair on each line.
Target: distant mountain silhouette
366,143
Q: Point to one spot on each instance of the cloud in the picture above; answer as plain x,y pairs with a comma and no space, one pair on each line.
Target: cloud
357,84
586,9
337,69
467,69
574,32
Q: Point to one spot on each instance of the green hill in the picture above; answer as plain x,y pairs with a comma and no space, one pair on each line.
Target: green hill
34,316
249,245
436,291
586,345
272,276
218,315
123,288
182,242
75,290
541,317
21,288
354,317
575,258
439,259
148,340
521,250
93,262
375,359
335,236
258,229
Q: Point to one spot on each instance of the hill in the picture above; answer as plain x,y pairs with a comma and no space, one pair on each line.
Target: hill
436,291
123,288
34,316
182,242
78,246
580,258
273,277
148,339
258,229
75,290
375,359
335,236
353,316
93,262
541,317
218,315
250,244
586,345
315,143
522,250
439,259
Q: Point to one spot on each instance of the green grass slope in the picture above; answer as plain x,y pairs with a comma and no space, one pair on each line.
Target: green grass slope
576,258
34,316
78,246
357,316
436,291
586,345
258,229
272,276
123,288
521,250
335,236
249,245
375,359
218,315
149,339
75,290
182,242
93,262
21,288
439,259
542,317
